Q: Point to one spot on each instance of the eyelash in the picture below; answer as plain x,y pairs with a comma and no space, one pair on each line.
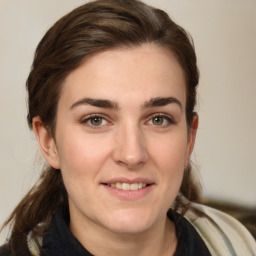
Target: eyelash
86,120
165,117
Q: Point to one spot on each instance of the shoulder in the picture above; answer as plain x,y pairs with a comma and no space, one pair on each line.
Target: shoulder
4,250
222,234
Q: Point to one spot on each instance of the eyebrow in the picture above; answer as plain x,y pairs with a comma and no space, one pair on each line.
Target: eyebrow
161,101
101,103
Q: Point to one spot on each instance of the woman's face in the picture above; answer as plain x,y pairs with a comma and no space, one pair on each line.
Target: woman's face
121,138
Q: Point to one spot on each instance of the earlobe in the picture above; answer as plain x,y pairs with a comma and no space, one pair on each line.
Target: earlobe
46,143
191,138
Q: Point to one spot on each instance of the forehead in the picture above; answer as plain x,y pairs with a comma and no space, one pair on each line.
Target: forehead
121,74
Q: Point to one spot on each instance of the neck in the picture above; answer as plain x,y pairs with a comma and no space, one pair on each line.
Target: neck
158,240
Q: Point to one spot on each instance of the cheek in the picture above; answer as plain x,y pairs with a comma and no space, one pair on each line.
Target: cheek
170,159
81,158
80,163
170,152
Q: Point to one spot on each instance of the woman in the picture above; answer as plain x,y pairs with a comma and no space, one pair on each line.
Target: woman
111,101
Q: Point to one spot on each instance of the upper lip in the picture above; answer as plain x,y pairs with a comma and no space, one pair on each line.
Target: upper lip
129,181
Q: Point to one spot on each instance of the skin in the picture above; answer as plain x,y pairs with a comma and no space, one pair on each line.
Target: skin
132,136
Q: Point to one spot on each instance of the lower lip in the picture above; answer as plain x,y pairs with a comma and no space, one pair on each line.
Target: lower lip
129,194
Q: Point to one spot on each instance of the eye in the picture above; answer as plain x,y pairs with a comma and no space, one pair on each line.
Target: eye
158,120
161,120
94,121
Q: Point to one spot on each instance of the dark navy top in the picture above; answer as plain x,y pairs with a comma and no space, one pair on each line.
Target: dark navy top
59,241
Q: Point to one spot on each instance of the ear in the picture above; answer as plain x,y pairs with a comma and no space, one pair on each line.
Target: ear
191,138
46,143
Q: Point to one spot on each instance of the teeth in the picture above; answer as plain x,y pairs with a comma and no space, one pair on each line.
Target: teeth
134,186
127,186
119,185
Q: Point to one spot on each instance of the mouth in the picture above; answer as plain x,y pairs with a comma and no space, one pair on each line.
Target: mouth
129,189
127,186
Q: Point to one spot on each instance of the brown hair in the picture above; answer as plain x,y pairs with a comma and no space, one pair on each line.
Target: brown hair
92,27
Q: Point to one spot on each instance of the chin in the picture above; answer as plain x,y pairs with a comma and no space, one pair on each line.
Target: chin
130,222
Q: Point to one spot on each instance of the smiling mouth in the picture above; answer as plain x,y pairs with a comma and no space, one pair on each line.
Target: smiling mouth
127,186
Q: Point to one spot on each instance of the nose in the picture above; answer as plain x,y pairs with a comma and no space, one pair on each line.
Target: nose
130,148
